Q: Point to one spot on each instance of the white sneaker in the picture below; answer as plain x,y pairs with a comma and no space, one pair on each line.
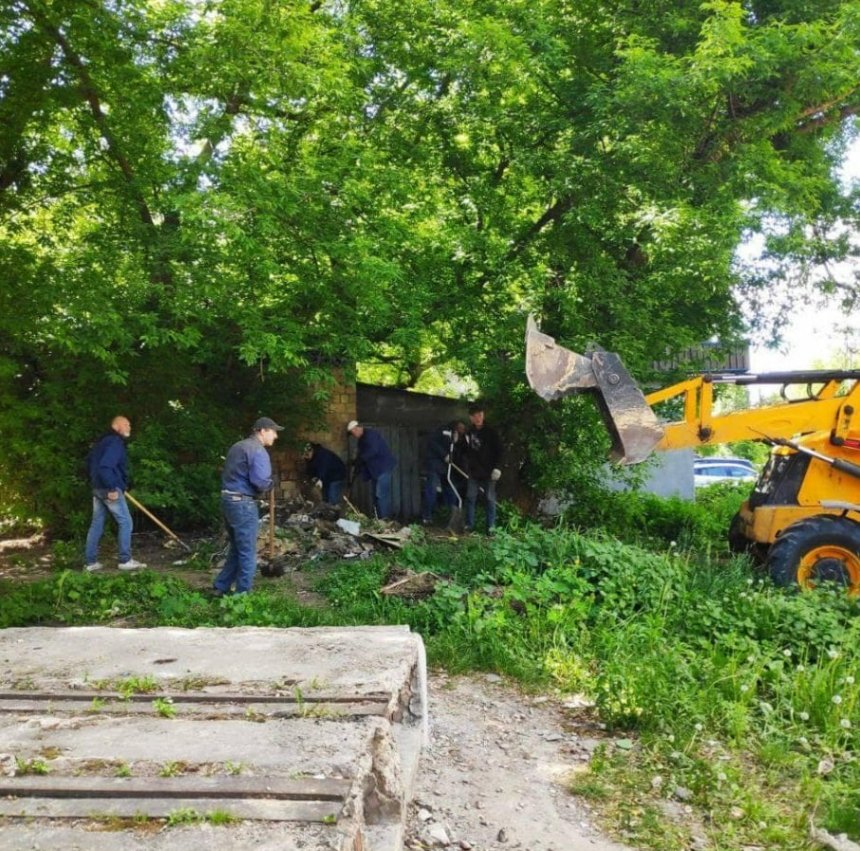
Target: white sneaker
92,568
131,564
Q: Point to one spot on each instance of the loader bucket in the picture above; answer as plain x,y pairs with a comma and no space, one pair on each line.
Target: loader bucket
554,372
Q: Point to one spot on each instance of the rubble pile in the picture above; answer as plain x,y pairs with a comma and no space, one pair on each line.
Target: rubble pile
306,531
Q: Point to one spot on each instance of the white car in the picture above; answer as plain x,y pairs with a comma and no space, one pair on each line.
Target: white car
706,471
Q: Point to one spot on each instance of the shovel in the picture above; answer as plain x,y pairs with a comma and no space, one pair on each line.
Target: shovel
456,523
155,520
271,525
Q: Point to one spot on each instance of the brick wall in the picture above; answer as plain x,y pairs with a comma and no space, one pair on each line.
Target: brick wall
330,432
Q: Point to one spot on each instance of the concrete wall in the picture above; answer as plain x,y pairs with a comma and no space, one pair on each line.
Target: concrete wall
669,474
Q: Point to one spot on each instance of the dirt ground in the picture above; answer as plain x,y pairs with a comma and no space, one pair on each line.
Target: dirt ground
32,558
494,774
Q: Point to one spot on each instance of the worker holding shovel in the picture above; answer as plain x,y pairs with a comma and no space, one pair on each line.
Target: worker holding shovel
438,456
483,459
107,467
246,475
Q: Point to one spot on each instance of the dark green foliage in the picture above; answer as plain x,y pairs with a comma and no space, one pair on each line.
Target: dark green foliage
202,214
640,517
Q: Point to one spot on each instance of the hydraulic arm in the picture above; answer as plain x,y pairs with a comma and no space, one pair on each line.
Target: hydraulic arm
829,404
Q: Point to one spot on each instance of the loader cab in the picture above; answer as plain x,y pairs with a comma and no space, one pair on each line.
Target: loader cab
781,479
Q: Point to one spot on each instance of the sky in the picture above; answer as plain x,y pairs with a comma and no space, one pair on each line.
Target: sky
814,336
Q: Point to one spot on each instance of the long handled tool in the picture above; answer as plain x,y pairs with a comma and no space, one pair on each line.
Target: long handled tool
271,525
466,476
456,522
155,520
352,508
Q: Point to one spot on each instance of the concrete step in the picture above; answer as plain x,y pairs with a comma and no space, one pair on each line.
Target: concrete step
305,738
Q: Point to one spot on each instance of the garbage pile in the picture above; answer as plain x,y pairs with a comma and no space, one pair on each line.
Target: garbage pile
306,531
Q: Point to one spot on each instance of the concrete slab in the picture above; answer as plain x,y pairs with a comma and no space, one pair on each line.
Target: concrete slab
256,738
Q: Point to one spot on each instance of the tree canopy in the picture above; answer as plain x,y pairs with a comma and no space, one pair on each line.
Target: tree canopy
205,205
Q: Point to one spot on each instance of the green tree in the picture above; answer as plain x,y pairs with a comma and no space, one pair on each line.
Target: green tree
203,207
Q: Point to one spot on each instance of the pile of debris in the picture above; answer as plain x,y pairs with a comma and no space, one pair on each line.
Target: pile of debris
306,531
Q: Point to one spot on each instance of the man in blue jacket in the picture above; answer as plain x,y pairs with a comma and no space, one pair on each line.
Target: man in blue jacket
327,471
107,465
442,449
376,464
247,474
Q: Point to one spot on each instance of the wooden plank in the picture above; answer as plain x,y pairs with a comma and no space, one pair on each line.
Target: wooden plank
395,543
281,788
101,808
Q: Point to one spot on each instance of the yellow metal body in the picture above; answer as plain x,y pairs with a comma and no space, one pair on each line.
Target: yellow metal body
822,422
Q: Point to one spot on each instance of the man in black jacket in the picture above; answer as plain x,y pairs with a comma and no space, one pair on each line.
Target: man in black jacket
483,458
327,471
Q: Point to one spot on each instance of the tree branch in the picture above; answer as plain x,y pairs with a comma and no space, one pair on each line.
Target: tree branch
552,214
90,93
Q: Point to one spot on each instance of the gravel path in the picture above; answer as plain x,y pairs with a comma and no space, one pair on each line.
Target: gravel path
494,774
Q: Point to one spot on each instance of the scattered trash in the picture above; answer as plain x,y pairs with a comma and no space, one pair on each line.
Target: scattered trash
396,539
412,586
307,531
349,526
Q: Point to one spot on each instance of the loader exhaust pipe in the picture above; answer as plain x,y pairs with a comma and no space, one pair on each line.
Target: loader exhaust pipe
555,372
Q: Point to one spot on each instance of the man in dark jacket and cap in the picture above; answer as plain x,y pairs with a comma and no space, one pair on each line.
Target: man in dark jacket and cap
483,458
376,464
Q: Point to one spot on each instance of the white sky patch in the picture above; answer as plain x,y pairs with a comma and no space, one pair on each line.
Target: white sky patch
816,337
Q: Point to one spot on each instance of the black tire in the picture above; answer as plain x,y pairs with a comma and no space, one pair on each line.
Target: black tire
817,549
739,544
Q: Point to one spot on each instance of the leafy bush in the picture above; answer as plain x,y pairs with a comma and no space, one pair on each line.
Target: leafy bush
638,517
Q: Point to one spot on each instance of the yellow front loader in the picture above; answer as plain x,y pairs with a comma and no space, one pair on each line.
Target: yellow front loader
802,518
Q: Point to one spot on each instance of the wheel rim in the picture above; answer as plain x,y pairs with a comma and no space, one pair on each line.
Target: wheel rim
830,564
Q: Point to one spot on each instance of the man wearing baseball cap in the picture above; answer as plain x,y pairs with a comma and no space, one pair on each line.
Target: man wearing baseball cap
246,475
376,464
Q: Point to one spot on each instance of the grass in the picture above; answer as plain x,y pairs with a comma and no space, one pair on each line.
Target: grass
724,687
31,766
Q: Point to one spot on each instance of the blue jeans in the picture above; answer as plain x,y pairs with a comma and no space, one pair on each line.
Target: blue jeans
382,495
489,487
332,492
242,518
432,483
118,509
